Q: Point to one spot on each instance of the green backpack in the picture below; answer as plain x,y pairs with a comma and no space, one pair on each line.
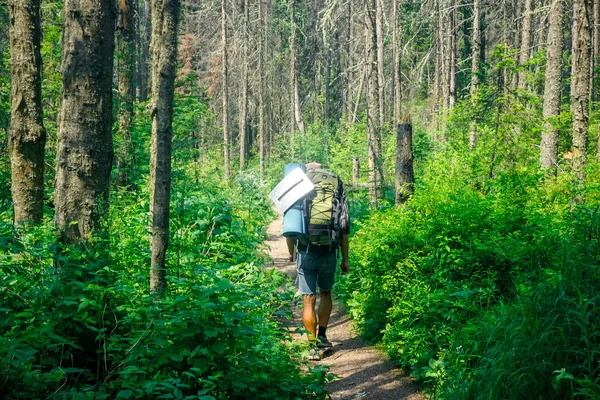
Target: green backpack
322,211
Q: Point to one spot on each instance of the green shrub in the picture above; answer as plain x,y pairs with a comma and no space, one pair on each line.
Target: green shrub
80,323
485,288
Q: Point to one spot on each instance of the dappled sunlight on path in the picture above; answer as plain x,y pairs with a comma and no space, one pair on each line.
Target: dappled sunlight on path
362,371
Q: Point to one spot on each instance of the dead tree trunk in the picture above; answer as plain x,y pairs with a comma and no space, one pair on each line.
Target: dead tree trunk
355,170
596,49
552,87
474,71
453,47
27,135
397,48
372,100
525,42
347,79
380,59
405,178
144,44
225,96
261,105
292,73
85,147
165,18
438,67
243,122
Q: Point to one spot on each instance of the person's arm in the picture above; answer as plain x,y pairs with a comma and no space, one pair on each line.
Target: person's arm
290,246
344,246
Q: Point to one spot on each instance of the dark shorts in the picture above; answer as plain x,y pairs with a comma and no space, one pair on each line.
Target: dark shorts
315,270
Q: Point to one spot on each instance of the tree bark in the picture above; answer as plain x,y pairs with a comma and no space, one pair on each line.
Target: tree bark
397,47
27,135
474,71
373,122
438,67
580,84
380,59
347,92
126,72
85,147
165,19
261,105
292,73
525,42
552,87
225,97
243,121
144,64
355,170
453,40
405,177
596,49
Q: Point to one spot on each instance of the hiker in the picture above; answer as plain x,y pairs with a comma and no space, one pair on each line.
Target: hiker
316,256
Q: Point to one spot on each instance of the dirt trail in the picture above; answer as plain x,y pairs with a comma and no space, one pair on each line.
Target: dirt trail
362,370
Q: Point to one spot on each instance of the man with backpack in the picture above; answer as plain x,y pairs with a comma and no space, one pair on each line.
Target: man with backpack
328,226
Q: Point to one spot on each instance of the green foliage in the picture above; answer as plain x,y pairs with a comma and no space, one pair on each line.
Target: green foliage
79,322
486,288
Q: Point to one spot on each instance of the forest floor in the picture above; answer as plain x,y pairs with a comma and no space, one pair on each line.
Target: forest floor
361,370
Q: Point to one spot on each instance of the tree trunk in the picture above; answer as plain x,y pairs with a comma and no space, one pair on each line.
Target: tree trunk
347,79
552,87
225,97
397,48
373,122
445,57
453,40
380,59
126,71
525,42
292,73
261,105
405,178
243,122
372,93
438,68
596,49
298,109
507,37
85,148
580,84
355,170
165,18
326,114
474,71
27,135
144,63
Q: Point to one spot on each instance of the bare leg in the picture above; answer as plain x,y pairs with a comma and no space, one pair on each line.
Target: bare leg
325,306
309,319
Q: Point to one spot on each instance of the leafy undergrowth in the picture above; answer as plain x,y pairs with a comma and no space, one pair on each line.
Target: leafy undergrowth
80,323
485,291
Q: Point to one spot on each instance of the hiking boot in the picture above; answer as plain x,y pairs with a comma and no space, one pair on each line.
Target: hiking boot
314,355
322,342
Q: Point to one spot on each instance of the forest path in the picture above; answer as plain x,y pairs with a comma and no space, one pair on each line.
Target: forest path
362,370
